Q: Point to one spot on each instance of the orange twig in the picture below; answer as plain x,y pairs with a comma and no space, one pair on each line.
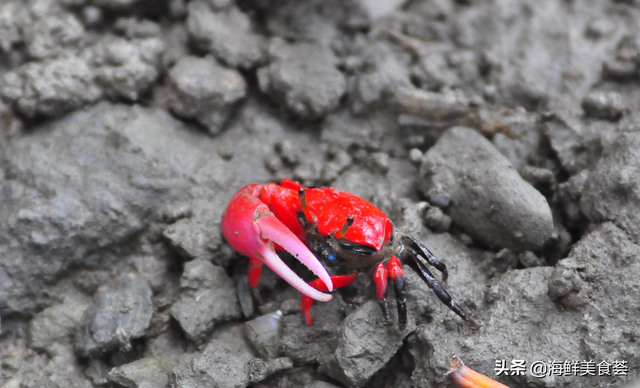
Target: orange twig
466,377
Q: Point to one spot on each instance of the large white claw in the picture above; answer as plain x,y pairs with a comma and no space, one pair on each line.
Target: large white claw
271,229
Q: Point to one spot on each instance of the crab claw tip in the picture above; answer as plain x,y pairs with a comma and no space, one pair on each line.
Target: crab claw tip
273,261
272,229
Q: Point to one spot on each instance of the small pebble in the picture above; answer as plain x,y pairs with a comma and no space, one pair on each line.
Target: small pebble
273,163
600,28
269,307
245,298
466,239
604,105
225,153
360,155
91,15
616,70
307,173
264,334
431,106
529,259
177,9
380,162
290,306
415,156
493,264
131,27
540,178
288,153
437,220
628,48
439,197
175,212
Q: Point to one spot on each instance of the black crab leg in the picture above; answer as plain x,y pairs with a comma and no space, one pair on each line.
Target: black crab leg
397,275
442,294
423,251
347,224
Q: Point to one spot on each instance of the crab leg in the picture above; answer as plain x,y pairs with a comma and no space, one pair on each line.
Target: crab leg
393,270
337,280
440,292
255,269
421,250
251,229
397,275
380,278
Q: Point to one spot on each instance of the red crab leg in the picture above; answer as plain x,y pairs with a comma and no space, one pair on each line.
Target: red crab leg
337,280
255,269
251,229
380,278
393,270
397,275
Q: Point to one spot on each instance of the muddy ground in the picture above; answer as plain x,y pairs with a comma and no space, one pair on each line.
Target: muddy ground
503,134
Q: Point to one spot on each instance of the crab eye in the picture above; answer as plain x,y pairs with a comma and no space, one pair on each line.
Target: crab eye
331,256
358,248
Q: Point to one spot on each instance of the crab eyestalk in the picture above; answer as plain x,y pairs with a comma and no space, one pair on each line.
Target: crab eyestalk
303,202
347,224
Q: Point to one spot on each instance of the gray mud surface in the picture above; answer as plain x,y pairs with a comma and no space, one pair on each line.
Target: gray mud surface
503,134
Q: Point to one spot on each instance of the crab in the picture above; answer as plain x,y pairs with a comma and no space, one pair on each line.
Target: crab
338,227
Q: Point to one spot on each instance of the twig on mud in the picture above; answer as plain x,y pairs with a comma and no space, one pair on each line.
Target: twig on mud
465,377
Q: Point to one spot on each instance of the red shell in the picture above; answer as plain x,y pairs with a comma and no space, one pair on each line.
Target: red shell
330,208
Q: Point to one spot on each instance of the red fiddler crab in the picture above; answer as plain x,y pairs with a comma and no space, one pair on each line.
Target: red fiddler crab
339,227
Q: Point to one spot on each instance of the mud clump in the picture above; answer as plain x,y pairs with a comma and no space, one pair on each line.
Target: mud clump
609,192
52,87
203,90
207,297
116,319
227,34
303,78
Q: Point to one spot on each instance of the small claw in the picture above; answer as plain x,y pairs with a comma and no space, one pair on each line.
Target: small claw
272,229
273,261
